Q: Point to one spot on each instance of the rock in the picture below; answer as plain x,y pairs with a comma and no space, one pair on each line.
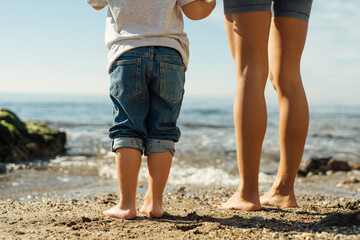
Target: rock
313,165
22,141
307,235
324,165
2,168
181,190
85,219
257,218
352,180
354,166
338,219
335,165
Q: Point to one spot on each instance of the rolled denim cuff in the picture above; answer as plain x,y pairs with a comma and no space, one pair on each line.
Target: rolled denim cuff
159,145
136,143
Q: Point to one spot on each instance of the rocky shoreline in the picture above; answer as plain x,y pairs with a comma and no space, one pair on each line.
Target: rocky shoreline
24,141
326,165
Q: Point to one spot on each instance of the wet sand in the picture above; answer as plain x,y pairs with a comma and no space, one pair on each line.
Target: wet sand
189,215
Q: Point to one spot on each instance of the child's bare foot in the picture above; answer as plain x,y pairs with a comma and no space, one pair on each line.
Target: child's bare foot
238,202
152,209
275,199
118,212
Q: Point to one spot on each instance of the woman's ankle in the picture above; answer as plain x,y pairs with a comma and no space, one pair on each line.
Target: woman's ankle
153,200
283,190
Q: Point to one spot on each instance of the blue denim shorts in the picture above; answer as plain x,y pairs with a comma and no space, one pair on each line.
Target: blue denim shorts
279,8
147,88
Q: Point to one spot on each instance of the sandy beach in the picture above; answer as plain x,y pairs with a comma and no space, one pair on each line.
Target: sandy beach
190,214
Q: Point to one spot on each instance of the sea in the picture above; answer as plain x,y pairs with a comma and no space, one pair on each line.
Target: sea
205,155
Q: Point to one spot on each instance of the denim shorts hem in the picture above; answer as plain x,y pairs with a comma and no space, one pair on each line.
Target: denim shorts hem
279,8
121,142
159,145
292,14
246,9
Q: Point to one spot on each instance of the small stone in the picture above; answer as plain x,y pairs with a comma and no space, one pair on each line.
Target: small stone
257,218
85,219
309,235
310,174
181,190
337,237
212,234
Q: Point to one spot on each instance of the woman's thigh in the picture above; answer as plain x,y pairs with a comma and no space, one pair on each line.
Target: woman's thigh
248,35
286,44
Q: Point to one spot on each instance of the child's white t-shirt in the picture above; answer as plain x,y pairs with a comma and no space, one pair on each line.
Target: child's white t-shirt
137,23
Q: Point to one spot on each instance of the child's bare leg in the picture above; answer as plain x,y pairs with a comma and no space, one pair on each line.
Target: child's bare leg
159,168
128,161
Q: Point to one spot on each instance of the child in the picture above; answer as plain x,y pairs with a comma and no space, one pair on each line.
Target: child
147,58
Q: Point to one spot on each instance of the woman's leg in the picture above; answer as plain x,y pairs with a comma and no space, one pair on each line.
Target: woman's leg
286,44
248,35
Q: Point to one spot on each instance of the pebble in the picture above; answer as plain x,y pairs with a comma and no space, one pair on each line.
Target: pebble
275,235
257,218
337,237
309,235
212,234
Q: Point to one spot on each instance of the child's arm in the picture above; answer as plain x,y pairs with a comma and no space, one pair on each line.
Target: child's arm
97,4
199,9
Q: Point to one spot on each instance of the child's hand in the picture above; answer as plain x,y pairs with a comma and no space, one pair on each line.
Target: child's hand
97,4
98,8
199,9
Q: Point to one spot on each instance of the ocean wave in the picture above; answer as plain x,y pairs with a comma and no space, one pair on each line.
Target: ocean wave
190,176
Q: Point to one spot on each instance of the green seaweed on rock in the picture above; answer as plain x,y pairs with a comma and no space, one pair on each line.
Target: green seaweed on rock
20,141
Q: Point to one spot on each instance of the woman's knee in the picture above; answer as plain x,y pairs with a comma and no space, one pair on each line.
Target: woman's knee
250,78
285,82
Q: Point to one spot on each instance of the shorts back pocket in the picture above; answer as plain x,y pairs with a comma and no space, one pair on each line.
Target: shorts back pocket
125,78
172,80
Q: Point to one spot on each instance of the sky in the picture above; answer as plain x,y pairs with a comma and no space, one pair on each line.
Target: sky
58,47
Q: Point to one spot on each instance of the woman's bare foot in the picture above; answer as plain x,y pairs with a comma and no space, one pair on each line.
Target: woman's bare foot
277,199
239,202
121,213
152,209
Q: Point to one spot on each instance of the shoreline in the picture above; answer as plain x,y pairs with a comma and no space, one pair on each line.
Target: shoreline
37,184
190,215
